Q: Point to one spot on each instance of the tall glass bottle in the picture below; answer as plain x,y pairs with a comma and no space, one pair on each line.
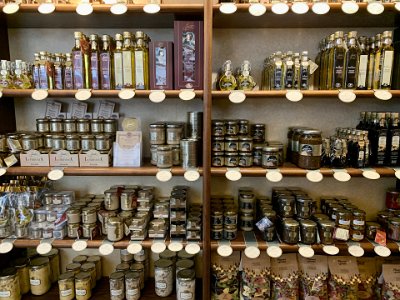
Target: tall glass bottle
336,66
94,61
327,66
78,61
393,140
227,81
377,59
68,72
141,63
380,137
304,71
43,76
128,61
21,81
245,81
386,53
277,68
371,63
118,66
289,70
297,67
318,61
106,63
58,72
351,61
362,79
35,71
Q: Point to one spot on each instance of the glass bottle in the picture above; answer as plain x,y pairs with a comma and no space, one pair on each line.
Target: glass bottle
277,70
380,137
371,62
128,61
386,53
245,80
289,71
106,64
35,71
94,61
118,66
227,81
362,79
78,62
304,71
362,121
327,67
336,65
68,72
318,61
141,63
393,140
43,77
296,77
20,81
351,61
377,59
58,72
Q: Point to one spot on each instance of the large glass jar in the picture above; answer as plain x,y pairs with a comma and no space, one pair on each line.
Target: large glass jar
163,276
40,276
310,149
54,259
21,264
96,259
132,286
186,285
90,268
83,289
9,284
117,286
66,286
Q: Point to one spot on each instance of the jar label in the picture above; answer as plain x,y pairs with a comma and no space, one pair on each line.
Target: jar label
35,281
5,294
116,292
161,285
132,292
66,293
358,236
358,222
80,292
186,296
310,150
344,222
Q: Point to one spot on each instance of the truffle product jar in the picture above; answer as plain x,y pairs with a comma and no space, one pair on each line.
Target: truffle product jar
138,268
157,134
83,126
231,159
217,232
80,259
258,133
231,144
370,229
54,259
88,142
110,126
69,125
89,215
132,286
66,286
74,268
164,157
257,154
217,217
21,264
230,232
326,230
308,232
343,218
286,205
39,274
83,289
9,284
244,127
218,159
358,220
310,149
72,142
218,144
218,128
270,157
304,207
174,133
117,286
394,229
42,125
90,268
56,125
115,229
290,231
186,285
96,259
245,159
111,200
103,142
163,276
97,125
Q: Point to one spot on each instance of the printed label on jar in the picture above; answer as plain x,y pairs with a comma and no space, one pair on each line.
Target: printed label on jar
186,296
161,285
287,208
66,293
116,292
132,292
358,237
35,281
344,222
359,223
310,150
80,292
5,294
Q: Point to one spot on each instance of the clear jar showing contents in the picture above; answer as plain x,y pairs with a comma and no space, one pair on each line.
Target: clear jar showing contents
310,149
358,220
73,142
88,142
103,142
89,215
394,229
83,126
164,157
138,268
66,286
74,268
69,125
186,285
290,231
97,126
54,259
370,229
58,142
174,133
218,128
111,200
132,286
270,157
96,259
21,264
232,127
56,125
163,276
29,142
39,274
110,126
157,134
117,286
83,289
9,284
115,229
91,269
42,125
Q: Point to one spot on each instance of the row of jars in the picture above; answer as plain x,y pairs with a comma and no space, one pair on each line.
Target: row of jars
224,218
83,126
222,128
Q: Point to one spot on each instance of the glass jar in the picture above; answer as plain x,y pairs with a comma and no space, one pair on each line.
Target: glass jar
257,154
174,133
54,259
270,214
217,217
39,274
66,286
230,217
230,232
157,134
308,232
163,276
88,142
270,157
117,286
231,159
217,232
42,125
269,233
231,144
296,144
89,215
184,264
83,289
358,220
290,231
218,159
245,144
97,126
138,268
394,229
9,284
69,125
153,154
356,235
218,128
74,230
132,286
164,157
218,144
122,267
186,285
74,268
96,259
103,142
56,125
21,264
245,159
231,127
246,222
176,155
29,142
310,149
304,207
115,229
370,229
280,146
326,229
110,126
286,206
80,259
72,142
91,269
58,142
258,133
83,126
244,127
111,200
343,218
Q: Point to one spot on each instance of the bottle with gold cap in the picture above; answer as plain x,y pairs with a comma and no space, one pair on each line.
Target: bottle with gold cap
141,62
386,53
68,72
94,61
35,71
327,68
106,63
336,66
118,66
58,72
128,61
79,70
351,61
377,59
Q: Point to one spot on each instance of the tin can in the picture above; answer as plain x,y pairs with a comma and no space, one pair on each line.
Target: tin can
83,126
132,286
56,125
157,133
194,125
189,153
97,126
110,126
69,125
163,276
43,125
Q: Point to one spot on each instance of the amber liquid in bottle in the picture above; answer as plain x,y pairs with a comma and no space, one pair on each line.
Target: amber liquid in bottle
386,53
141,63
371,63
35,72
352,57
78,63
337,61
377,60
94,61
128,61
68,73
106,63
58,72
118,67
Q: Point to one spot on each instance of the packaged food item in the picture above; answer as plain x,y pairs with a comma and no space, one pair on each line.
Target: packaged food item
313,277
379,262
391,282
225,276
344,278
285,277
368,276
255,277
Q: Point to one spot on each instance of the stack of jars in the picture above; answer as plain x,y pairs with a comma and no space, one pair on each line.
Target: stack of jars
194,221
267,216
80,277
247,205
224,218
178,211
158,227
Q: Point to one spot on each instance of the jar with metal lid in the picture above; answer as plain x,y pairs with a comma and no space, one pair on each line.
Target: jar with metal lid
244,127
42,125
186,285
48,141
21,265
153,154
80,259
383,218
230,232
157,133
163,276
89,215
231,159
83,126
66,286
286,206
280,146
110,126
183,255
39,274
217,232
91,269
74,268
9,284
74,230
319,217
304,207
269,233
356,235
96,259
125,256
58,142
111,200
245,144
231,127
257,154
115,229
73,142
270,214
245,159
308,232
333,210
370,229
231,143
247,202
218,159
258,133
218,127
54,259
69,125
310,149
290,232
326,229
56,125
176,155
132,286
83,290
138,268
246,222
174,133
296,144
40,140
358,219
230,217
103,142
343,219
122,267
184,264
89,230
394,229
29,142
164,157
97,126
218,144
217,217
270,157
169,255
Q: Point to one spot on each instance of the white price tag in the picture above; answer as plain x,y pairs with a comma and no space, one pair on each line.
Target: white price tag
191,175
44,247
157,96
341,175
314,176
274,175
347,96
350,7
371,174
158,247
397,173
164,175
192,248
330,249
6,245
294,96
237,96
252,252
382,251
356,250
225,250
233,174
3,171
79,245
83,94
274,251
55,174
106,248
375,8
39,94
175,246
134,248
306,251
383,94
187,94
257,9
227,7
126,94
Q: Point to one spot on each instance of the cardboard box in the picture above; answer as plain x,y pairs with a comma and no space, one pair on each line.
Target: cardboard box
94,158
161,65
34,158
63,158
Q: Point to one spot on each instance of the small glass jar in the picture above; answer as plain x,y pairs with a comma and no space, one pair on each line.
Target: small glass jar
66,286
164,157
125,256
80,259
358,220
269,233
54,259
39,274
29,142
308,232
83,289
186,285
258,133
132,286
89,215
245,144
115,229
217,232
217,218
304,207
103,142
21,264
270,157
97,126
356,235
91,269
326,229
111,200
138,268
290,231
174,133
96,259
231,143
58,142
74,268
9,284
394,229
83,126
69,125
230,217
157,134
230,232
117,286
74,230
286,206
153,154
232,127
310,149
257,155
122,267
280,146
218,144
163,276
110,126
73,142
56,125
231,159
370,229
218,128
245,159
343,218
42,125
184,255
88,142
246,222
218,159
244,127
176,155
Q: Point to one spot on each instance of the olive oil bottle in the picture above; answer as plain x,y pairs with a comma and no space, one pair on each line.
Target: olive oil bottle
21,80
377,60
106,64
386,53
393,140
336,67
245,81
118,66
296,77
351,61
371,63
128,61
362,80
327,67
94,61
227,81
141,62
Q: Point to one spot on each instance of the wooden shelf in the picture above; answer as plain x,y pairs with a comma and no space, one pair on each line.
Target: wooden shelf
95,93
96,243
240,244
334,18
292,171
306,94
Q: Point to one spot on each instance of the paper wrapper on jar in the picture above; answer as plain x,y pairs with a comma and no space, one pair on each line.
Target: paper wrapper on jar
255,277
225,276
285,277
391,282
344,278
313,277
368,276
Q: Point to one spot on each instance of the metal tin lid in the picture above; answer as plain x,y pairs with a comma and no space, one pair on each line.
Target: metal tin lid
168,254
72,136
90,209
185,264
290,224
218,153
184,255
163,263
186,274
164,148
83,120
218,138
308,224
174,125
69,121
122,267
66,276
39,262
114,221
88,266
157,125
80,259
109,120
311,131
326,223
117,275
258,125
132,276
270,149
20,262
42,120
8,272
137,267
82,276
358,212
96,121
53,252
218,122
58,136
231,138
56,120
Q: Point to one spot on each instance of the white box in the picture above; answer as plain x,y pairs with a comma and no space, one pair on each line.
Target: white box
94,158
63,158
34,158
